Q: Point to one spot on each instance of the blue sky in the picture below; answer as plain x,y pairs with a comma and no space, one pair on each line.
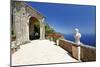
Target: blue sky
65,17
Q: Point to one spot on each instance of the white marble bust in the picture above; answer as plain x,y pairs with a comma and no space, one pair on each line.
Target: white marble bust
77,36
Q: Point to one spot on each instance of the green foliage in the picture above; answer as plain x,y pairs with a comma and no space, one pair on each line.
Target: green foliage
48,29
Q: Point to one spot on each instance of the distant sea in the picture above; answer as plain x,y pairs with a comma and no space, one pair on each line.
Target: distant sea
85,39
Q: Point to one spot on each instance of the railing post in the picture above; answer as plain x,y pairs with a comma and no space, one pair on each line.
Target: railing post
79,53
57,42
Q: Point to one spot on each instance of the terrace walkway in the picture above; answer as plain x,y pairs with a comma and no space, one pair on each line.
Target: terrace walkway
40,52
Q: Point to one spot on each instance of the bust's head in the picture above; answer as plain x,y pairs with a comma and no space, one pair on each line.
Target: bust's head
76,30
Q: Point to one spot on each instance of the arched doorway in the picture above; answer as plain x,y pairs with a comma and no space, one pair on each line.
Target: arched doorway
34,28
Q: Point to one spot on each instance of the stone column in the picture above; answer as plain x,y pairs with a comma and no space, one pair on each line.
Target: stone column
16,17
42,29
43,35
27,27
24,25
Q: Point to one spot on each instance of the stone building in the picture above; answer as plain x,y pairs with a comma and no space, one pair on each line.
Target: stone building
25,20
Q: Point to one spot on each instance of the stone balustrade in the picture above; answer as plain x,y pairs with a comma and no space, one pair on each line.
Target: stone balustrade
87,53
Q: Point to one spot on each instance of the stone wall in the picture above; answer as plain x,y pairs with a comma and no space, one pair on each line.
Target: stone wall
66,45
21,15
88,53
21,26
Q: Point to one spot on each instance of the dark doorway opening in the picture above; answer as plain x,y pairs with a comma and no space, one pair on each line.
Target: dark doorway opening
34,28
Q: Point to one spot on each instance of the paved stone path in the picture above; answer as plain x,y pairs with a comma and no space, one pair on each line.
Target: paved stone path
40,52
